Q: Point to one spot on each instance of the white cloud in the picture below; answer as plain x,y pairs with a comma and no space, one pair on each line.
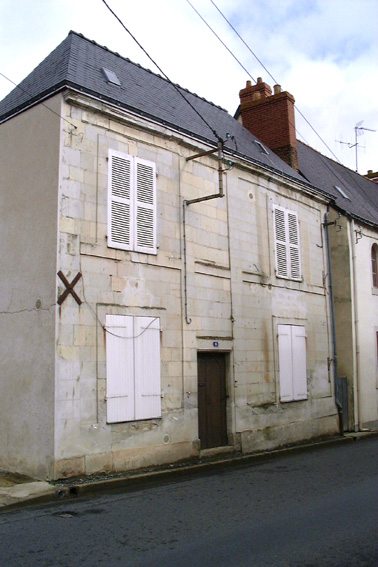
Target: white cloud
323,52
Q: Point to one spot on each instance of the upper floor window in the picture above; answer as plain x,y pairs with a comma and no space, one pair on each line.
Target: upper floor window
131,203
286,237
374,264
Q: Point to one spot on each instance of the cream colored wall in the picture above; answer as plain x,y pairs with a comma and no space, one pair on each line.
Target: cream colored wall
229,243
29,150
366,324
356,309
342,271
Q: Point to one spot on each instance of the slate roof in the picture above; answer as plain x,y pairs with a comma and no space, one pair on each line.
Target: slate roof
361,201
77,62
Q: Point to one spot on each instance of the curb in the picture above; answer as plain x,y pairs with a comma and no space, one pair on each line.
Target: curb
135,479
33,493
68,490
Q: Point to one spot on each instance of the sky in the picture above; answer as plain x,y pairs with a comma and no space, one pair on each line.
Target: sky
324,52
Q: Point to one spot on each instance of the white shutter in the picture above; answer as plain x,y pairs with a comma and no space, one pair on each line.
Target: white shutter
286,235
120,201
298,335
285,363
293,234
119,368
145,206
280,242
292,362
147,367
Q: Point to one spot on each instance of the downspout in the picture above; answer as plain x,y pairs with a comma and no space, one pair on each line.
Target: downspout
356,326
333,321
186,203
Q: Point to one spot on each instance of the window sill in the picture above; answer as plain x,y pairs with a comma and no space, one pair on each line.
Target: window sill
288,279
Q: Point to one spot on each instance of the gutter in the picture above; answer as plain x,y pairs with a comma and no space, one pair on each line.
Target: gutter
73,87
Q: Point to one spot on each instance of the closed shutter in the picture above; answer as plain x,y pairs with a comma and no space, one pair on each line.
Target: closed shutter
286,235
293,238
285,363
120,201
292,362
280,242
145,206
119,368
147,367
298,337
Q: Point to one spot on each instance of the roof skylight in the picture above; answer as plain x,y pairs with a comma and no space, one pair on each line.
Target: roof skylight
110,76
262,148
342,193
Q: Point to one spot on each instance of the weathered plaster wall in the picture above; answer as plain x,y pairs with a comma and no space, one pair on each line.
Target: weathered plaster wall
232,299
29,149
261,301
122,283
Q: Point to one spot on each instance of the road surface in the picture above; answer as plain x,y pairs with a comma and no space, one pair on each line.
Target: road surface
316,508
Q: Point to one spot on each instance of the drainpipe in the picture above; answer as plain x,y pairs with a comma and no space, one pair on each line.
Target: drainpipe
356,326
337,398
188,202
220,175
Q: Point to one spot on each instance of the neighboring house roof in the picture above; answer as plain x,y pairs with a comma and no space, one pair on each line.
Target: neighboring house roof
353,194
77,63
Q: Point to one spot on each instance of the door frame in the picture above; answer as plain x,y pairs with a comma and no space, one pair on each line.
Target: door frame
225,355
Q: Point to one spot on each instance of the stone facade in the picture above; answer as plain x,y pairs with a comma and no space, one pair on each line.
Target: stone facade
212,285
224,292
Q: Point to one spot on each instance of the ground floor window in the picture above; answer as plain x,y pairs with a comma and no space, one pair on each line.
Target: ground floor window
133,390
292,362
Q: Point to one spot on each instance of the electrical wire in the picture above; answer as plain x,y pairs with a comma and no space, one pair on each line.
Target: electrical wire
260,62
42,103
164,74
222,42
99,322
247,46
236,59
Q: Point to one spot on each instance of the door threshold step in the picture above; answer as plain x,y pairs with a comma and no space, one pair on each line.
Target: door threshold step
217,451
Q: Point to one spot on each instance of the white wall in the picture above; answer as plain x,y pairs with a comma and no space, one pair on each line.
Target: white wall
366,324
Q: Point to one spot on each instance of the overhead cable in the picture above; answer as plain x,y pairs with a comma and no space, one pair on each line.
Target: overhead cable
222,42
260,62
247,46
234,56
162,72
42,103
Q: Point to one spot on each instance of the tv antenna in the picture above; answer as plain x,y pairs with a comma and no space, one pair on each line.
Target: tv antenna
358,131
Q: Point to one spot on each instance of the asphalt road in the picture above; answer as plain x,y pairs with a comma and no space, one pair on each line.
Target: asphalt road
312,509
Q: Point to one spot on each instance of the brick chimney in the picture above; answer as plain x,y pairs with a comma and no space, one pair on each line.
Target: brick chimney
270,118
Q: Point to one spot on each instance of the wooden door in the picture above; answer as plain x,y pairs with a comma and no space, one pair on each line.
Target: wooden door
212,424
